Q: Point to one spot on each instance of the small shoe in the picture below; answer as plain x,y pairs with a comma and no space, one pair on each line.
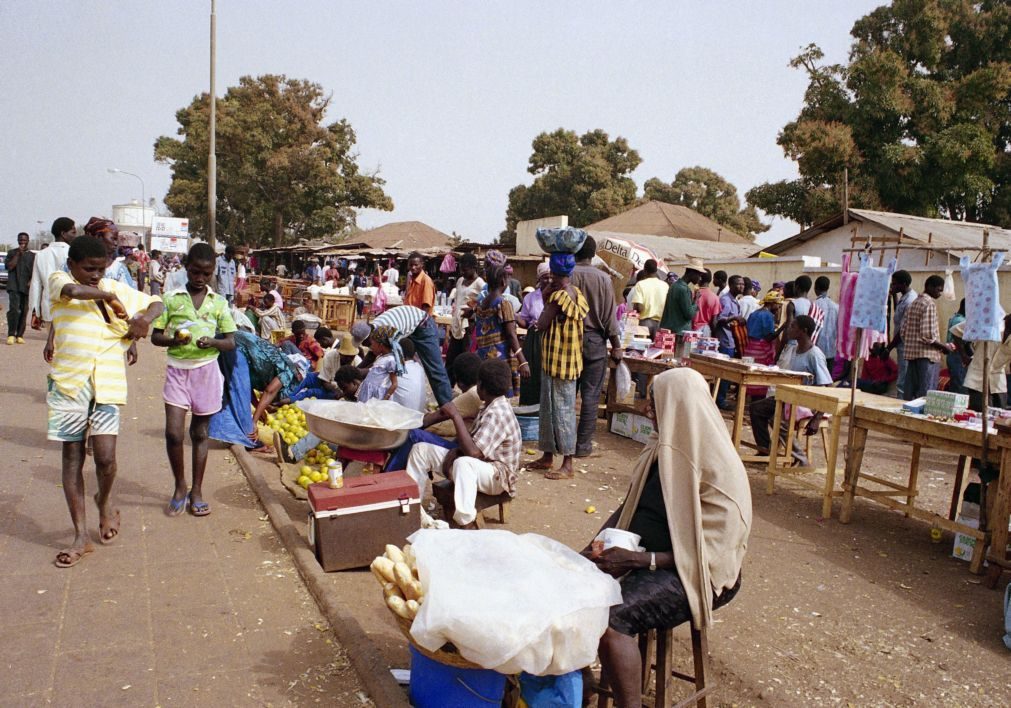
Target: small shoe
21,340
177,506
200,508
10,341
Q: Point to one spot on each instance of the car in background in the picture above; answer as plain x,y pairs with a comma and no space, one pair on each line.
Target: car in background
3,270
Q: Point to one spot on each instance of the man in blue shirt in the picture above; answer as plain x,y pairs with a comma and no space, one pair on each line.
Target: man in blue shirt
730,313
224,274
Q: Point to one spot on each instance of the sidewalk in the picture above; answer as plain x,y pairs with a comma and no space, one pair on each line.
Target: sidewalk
179,611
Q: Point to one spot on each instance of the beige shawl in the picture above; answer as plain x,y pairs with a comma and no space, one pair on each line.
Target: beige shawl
705,488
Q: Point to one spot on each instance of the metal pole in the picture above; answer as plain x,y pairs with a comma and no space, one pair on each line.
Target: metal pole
212,160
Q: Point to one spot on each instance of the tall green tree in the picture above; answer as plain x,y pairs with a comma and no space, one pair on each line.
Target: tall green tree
283,173
711,195
583,176
920,116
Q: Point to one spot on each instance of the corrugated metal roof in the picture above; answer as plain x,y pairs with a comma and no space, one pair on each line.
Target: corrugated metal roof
957,236
681,249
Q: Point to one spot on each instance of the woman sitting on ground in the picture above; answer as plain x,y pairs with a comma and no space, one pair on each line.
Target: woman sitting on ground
690,503
270,316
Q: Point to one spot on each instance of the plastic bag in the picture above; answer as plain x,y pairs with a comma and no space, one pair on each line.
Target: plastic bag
565,240
949,285
511,603
375,413
623,381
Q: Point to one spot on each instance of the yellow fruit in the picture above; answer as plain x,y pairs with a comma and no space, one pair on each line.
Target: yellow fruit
306,470
304,481
316,477
591,510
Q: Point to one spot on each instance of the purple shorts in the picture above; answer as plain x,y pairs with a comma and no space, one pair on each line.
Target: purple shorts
196,390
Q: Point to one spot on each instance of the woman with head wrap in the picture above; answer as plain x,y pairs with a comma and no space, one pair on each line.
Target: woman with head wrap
690,503
533,306
561,327
107,230
495,328
763,335
494,258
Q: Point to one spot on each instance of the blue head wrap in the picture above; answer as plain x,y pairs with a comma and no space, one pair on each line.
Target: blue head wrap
562,263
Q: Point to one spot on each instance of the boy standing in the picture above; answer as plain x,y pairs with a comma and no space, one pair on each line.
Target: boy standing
93,320
20,262
488,457
921,344
193,316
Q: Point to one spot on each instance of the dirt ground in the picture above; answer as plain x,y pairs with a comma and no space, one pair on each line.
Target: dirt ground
871,613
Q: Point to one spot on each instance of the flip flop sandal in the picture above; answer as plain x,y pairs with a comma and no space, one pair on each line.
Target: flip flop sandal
558,475
177,506
200,508
73,556
538,465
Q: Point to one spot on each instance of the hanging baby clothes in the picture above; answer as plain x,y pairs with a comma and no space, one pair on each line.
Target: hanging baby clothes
848,342
984,317
870,299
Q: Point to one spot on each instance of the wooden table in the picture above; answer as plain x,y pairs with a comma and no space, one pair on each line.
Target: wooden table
744,375
836,403
999,514
636,365
920,432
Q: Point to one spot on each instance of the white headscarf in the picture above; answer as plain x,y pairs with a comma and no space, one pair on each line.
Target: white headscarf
705,489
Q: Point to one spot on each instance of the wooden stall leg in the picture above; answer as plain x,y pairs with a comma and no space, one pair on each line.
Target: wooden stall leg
777,422
831,452
961,475
716,386
739,417
914,475
853,473
664,665
700,653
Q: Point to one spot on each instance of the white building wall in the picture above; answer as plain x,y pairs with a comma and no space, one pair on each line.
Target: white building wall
526,233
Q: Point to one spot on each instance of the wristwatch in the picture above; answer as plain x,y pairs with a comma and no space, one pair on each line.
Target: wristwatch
652,561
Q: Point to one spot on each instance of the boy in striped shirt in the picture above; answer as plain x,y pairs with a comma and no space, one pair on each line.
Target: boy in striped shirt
94,321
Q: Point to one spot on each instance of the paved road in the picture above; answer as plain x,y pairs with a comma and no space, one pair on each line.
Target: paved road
179,611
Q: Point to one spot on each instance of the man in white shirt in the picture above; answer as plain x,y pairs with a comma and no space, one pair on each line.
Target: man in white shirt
649,296
748,302
391,275
48,261
156,273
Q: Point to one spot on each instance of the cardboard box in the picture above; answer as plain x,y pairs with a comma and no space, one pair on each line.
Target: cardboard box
945,404
964,545
349,527
630,425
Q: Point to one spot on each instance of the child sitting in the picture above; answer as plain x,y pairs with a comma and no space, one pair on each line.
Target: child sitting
487,458
307,346
189,326
879,371
94,321
411,387
381,381
270,316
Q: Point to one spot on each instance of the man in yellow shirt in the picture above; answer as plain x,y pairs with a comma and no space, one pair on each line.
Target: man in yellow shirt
649,296
94,321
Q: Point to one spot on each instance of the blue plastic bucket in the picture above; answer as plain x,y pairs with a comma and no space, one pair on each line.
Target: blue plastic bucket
529,427
436,685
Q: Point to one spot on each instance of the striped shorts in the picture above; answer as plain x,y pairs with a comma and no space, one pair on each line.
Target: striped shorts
71,418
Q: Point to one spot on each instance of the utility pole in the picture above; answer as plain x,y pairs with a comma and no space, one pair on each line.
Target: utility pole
212,159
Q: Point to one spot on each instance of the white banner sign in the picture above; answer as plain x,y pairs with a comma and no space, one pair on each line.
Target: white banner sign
169,226
170,244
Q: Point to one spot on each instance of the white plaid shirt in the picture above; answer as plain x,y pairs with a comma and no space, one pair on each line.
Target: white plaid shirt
496,433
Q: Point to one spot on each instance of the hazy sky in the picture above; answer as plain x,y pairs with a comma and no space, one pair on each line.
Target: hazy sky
445,97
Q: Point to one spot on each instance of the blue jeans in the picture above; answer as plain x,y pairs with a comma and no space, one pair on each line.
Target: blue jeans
721,392
312,386
398,460
426,344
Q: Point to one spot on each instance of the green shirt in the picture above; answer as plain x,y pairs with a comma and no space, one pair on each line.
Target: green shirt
679,309
212,318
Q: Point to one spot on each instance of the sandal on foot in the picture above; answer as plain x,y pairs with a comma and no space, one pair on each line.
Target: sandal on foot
558,475
200,508
108,525
69,557
177,506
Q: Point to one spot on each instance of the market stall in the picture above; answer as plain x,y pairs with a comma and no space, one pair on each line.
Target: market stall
1000,512
920,431
834,403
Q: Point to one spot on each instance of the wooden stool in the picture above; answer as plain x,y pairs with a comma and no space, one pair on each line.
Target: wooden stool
656,648
443,492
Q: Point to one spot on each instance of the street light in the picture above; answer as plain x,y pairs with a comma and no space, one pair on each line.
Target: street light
143,207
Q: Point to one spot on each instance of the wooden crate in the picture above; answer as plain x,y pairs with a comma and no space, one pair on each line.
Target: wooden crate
337,311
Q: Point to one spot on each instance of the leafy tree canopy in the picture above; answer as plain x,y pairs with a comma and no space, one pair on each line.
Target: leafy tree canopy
921,117
282,173
708,193
585,177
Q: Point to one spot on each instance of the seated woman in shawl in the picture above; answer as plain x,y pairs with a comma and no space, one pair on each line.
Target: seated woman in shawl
690,503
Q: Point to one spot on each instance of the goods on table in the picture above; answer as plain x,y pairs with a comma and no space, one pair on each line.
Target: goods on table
316,465
397,572
945,404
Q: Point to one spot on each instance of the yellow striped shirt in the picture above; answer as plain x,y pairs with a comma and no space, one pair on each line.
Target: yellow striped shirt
88,347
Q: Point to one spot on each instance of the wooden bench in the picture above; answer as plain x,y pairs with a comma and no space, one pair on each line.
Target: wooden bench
443,492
